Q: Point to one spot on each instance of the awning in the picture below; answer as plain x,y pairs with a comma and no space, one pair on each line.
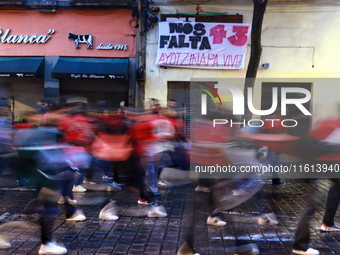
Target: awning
106,3
22,67
12,2
91,68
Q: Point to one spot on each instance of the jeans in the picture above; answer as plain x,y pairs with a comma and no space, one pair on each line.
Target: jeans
67,183
151,176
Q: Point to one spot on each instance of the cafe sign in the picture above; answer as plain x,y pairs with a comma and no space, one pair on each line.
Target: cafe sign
7,37
95,76
110,46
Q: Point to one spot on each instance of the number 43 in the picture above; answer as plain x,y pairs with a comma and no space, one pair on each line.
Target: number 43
239,39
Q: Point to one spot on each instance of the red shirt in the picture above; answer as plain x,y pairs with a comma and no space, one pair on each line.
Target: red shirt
150,128
77,130
321,131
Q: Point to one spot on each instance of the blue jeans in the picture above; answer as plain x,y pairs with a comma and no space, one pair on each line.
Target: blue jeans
151,176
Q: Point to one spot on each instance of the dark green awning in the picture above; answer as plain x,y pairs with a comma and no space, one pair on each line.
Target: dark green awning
91,68
103,3
22,67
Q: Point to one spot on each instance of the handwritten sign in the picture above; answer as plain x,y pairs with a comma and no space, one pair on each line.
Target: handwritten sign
202,45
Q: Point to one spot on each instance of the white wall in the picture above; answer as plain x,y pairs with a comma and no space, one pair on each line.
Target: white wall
299,41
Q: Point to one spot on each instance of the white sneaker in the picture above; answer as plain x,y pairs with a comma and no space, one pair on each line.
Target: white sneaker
216,221
107,216
325,228
87,181
143,201
4,244
109,212
52,248
114,187
162,183
239,192
310,251
268,219
157,212
77,216
61,200
79,189
69,200
203,189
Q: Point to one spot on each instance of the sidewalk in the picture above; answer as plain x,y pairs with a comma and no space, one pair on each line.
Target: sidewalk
132,235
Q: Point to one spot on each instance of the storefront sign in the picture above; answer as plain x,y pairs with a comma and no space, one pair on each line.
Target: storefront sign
202,45
7,38
110,46
17,75
94,76
31,33
88,39
22,75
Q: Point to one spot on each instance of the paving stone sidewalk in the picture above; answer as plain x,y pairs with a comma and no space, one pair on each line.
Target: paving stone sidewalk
143,235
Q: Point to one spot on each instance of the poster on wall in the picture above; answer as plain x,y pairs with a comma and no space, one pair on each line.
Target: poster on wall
202,45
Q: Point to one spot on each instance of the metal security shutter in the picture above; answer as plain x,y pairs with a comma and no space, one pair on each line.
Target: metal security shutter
94,90
293,111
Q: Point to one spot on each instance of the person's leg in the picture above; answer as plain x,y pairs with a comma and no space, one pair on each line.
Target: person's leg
45,221
187,246
80,177
70,209
208,183
302,233
89,172
273,159
115,171
332,203
164,161
106,166
47,208
67,184
139,176
214,214
151,177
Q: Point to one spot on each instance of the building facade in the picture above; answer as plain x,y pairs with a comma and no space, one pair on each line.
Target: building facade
299,49
71,51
